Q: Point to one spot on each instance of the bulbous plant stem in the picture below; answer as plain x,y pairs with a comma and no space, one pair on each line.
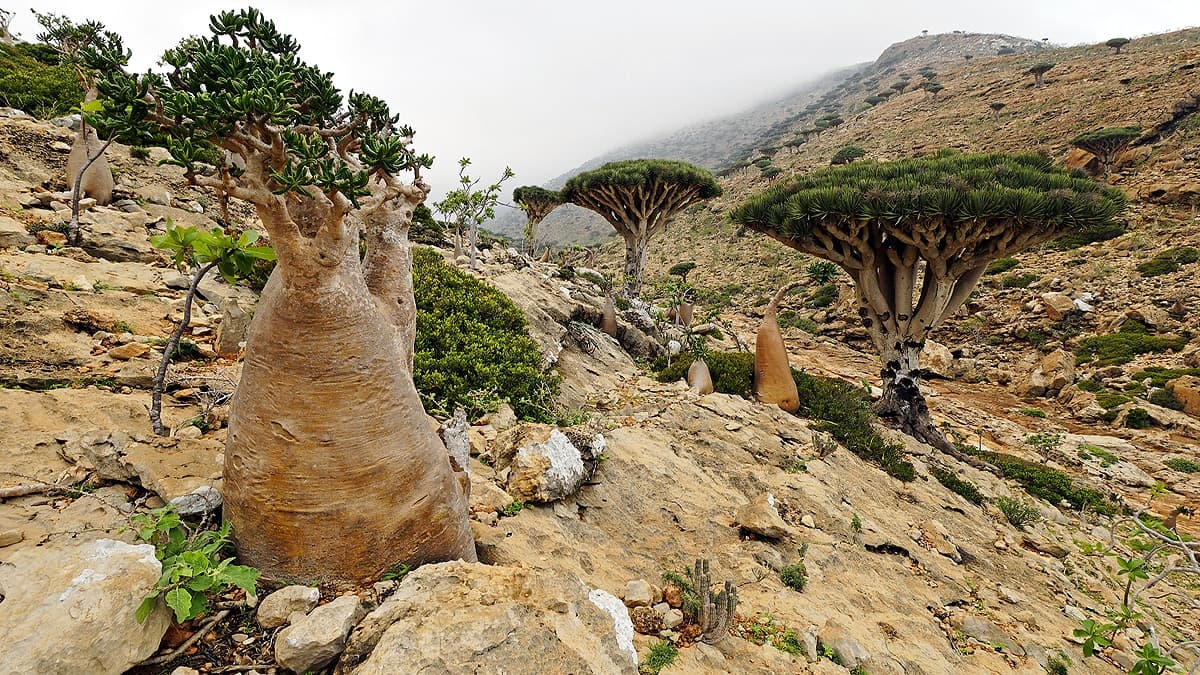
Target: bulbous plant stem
160,375
773,381
73,236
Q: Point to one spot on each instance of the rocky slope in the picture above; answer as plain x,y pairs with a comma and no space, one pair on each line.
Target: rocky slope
901,577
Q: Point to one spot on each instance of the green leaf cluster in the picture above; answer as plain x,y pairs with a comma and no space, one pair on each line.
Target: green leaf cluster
1018,511
962,190
1041,481
535,194
87,48
37,87
954,483
1132,339
235,256
472,338
633,173
194,564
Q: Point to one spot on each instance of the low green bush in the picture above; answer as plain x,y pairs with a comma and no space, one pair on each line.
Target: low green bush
1138,418
425,229
794,576
1034,412
1159,376
1118,348
824,296
964,488
1089,385
1020,280
662,654
822,271
847,154
1183,465
1165,398
1000,266
846,414
473,345
30,81
1074,240
1168,261
1018,511
732,372
1041,481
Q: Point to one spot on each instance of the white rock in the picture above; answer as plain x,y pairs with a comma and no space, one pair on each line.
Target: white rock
547,471
278,606
622,624
316,640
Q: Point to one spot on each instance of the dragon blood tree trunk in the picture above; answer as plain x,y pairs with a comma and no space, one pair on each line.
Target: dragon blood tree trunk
332,470
902,405
636,247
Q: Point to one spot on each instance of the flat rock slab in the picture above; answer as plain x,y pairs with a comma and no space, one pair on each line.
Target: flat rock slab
60,270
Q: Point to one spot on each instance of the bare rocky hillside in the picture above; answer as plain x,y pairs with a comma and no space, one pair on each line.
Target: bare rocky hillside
885,576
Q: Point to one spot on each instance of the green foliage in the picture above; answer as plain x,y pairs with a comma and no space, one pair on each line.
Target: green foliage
1041,481
662,654
822,271
1131,339
847,154
194,564
1034,412
472,338
1165,398
41,89
1117,43
1074,240
683,581
139,152
635,173
1104,140
1044,443
1183,465
1138,418
534,194
795,576
513,509
1001,265
682,269
964,488
1159,376
771,172
957,191
396,572
1089,385
824,296
874,100
234,257
1020,280
1168,261
1018,511
847,417
1057,664
425,229
855,523
1151,661
732,372
1094,634
1040,68
468,205
1106,457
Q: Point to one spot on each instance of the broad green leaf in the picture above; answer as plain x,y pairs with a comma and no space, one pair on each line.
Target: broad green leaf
180,600
144,609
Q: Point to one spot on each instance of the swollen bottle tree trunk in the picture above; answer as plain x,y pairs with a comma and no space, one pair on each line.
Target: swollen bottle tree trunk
773,382
637,197
332,471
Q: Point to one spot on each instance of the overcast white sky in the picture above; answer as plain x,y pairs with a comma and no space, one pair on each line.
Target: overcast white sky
543,85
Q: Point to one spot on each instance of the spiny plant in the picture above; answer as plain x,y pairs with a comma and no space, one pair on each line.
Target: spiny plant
941,219
537,203
1107,143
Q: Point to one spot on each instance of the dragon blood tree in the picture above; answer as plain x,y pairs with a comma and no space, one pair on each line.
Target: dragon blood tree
937,221
537,203
332,471
637,197
1105,144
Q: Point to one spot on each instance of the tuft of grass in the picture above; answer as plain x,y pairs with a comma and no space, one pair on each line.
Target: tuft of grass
662,654
795,576
964,488
1034,412
513,509
1000,266
1168,261
1041,481
1018,511
1183,465
824,296
1020,280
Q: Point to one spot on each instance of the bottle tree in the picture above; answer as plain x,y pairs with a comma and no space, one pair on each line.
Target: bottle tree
332,471
938,219
637,197
1107,143
537,203
90,51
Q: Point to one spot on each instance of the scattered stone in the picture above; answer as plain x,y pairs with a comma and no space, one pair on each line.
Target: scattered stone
761,517
547,471
235,321
190,431
204,500
130,350
1058,305
184,670
672,619
1042,545
13,234
639,593
808,521
673,596
316,640
275,609
51,238
70,609
10,537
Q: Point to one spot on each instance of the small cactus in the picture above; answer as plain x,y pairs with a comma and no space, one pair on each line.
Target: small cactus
716,611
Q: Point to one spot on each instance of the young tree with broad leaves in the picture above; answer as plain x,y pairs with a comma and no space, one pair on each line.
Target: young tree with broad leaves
332,471
537,203
468,207
939,220
637,197
91,51
1105,144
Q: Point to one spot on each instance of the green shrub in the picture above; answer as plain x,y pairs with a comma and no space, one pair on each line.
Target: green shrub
847,416
1138,418
1018,511
1001,265
732,372
662,654
771,171
1057,664
790,319
794,576
822,271
1041,481
1165,398
29,81
1076,240
965,489
1159,376
1106,457
824,296
1034,412
1183,465
1168,261
1111,399
472,339
1132,339
1020,280
1089,385
425,229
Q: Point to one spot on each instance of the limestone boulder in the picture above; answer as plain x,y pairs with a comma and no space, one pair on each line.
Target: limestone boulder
553,469
1053,373
459,617
13,234
761,517
70,609
1058,305
311,643
116,236
1187,390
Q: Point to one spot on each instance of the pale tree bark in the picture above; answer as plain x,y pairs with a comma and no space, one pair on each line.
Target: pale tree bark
636,248
87,166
